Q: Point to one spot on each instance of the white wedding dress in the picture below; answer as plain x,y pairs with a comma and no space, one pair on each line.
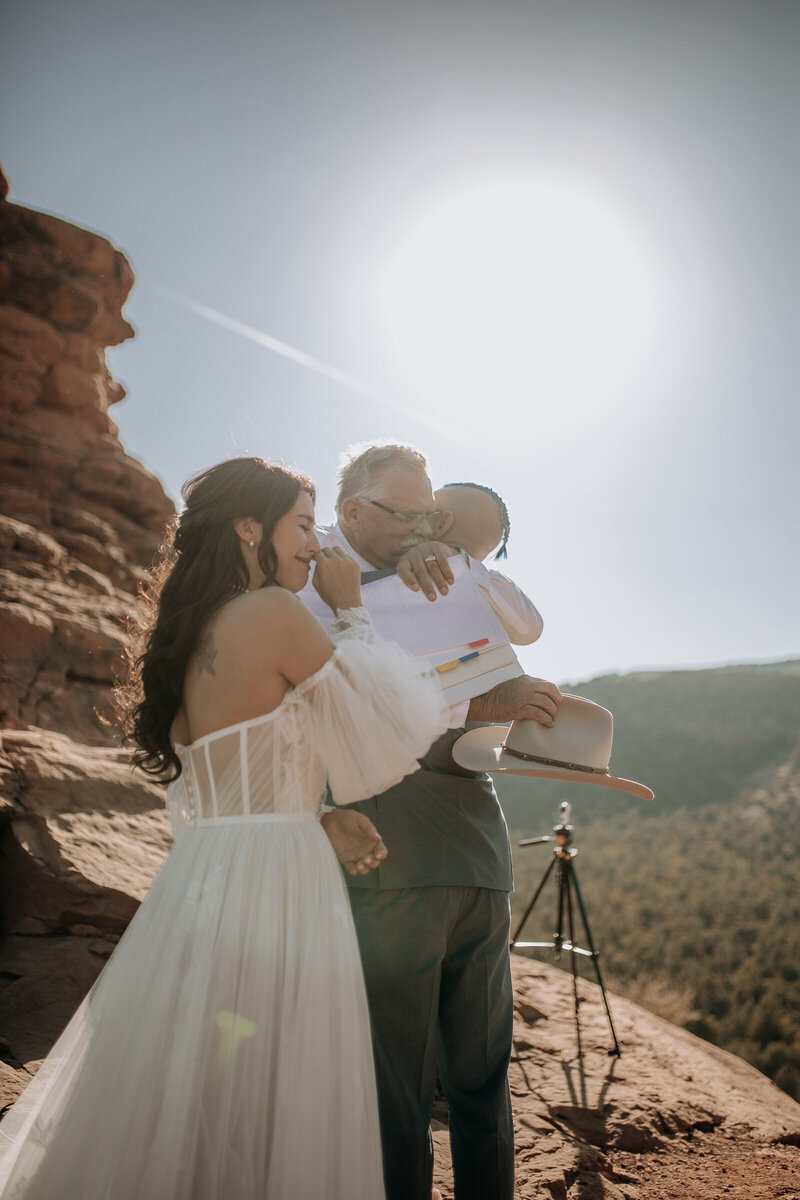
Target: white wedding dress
224,1052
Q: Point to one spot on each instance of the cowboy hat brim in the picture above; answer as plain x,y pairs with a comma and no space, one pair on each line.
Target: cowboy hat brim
482,750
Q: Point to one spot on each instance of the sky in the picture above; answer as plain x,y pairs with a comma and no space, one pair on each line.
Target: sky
553,245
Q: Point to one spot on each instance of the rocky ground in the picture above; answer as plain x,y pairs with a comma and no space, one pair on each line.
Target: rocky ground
673,1117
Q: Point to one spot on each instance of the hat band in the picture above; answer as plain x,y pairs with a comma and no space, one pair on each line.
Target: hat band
553,762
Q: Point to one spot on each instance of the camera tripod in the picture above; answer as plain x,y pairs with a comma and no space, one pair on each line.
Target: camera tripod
567,888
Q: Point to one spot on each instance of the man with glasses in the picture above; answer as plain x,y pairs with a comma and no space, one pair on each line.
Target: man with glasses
406,534
433,918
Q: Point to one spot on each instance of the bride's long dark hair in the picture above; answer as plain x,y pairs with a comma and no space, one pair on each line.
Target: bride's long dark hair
200,568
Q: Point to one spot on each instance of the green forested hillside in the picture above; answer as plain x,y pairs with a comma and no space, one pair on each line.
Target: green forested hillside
694,899
695,737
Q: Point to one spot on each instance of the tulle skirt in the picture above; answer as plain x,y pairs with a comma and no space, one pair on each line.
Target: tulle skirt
224,1052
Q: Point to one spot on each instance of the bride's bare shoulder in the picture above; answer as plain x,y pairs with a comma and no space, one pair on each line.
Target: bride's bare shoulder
279,633
269,603
272,610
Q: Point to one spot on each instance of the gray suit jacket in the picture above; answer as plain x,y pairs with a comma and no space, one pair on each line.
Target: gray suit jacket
441,825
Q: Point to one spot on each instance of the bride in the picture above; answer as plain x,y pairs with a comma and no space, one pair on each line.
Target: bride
224,1052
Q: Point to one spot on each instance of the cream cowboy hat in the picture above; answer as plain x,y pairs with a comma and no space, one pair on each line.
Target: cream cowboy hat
575,749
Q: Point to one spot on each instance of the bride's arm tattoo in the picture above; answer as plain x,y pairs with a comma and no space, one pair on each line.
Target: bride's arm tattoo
206,653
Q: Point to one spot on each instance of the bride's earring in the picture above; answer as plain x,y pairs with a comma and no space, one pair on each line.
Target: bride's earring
251,543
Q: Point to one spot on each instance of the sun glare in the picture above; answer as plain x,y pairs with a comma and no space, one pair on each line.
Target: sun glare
518,300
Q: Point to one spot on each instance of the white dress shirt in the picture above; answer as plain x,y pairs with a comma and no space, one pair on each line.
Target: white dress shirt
515,612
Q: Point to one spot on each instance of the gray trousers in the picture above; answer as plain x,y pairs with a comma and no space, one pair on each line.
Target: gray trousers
438,981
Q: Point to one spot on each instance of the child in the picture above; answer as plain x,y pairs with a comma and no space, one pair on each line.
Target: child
480,519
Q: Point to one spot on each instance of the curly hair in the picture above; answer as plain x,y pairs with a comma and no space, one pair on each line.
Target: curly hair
200,567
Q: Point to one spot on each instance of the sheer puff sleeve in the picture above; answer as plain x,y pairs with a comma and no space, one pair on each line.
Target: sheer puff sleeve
369,714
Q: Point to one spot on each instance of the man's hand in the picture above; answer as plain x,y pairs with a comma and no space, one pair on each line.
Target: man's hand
520,699
426,567
355,839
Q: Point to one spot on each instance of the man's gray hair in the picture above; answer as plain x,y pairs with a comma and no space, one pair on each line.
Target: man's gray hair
362,466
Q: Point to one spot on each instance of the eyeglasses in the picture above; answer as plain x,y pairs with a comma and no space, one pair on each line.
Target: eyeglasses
433,517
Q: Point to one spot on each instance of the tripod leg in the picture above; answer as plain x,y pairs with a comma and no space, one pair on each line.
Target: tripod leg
616,1051
529,909
558,936
567,876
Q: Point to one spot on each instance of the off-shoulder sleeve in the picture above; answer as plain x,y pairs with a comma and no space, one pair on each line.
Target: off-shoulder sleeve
369,714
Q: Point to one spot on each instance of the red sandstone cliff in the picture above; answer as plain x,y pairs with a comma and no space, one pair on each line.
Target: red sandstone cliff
80,835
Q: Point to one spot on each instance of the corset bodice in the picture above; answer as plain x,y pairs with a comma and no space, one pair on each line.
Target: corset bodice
260,766
361,721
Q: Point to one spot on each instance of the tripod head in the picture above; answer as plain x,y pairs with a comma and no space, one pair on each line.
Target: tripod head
561,835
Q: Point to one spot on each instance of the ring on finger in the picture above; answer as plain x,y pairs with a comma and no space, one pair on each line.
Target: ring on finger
430,558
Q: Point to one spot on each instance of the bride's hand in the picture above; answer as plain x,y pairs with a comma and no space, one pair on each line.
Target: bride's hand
337,578
355,839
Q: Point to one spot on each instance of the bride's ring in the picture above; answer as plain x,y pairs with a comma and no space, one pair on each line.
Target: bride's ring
430,558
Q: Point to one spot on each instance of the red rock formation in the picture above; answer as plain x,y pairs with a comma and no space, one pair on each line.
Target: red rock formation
81,834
